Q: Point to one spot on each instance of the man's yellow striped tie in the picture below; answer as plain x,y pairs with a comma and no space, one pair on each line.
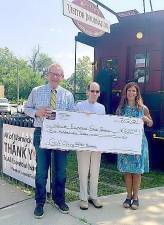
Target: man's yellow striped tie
53,100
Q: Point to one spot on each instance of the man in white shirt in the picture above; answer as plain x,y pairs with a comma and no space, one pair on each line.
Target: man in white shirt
89,162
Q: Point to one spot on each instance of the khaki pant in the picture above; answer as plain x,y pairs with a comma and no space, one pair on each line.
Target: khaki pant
88,164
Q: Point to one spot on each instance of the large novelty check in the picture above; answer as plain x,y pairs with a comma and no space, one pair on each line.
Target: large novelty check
104,133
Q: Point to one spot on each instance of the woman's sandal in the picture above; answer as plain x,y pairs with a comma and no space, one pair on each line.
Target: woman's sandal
127,203
135,204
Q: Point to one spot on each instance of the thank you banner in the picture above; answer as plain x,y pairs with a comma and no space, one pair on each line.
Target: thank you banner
19,158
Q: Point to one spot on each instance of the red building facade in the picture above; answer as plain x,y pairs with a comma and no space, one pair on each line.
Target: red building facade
133,51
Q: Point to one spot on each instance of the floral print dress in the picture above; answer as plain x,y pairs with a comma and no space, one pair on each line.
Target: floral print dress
137,164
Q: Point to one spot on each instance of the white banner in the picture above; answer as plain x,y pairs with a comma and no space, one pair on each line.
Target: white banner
81,131
82,15
18,154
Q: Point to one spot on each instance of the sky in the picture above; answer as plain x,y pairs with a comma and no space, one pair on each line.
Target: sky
25,24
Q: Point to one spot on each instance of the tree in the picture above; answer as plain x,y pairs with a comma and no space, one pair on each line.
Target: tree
40,61
7,62
83,77
30,74
13,70
43,62
34,58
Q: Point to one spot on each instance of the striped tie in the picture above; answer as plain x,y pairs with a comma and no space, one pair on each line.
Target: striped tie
53,100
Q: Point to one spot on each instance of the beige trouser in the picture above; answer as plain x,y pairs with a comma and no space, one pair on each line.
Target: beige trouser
88,163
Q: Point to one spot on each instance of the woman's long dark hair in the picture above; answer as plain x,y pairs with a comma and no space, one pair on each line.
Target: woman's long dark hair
124,100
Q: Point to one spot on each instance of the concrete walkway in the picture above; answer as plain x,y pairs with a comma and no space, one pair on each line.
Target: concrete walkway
16,208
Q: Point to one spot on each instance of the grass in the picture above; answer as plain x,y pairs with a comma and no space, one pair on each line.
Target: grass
110,180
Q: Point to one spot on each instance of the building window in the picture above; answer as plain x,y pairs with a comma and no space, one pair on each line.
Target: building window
141,68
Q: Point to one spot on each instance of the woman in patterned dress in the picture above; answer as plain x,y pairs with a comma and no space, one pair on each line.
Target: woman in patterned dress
132,166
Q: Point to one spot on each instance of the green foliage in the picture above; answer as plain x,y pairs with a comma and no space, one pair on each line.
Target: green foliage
40,61
110,180
83,77
65,84
14,70
7,62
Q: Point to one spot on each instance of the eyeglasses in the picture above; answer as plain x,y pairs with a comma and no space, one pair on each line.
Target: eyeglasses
55,74
94,91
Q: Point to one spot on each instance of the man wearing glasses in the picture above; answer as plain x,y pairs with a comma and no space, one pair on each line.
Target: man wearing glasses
39,106
89,162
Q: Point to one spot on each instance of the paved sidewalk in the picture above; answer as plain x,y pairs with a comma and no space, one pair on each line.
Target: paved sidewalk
16,208
10,195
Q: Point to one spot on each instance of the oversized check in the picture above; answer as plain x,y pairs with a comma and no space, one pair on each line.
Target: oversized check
91,132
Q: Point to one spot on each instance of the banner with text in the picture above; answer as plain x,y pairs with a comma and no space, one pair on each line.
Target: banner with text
104,133
19,154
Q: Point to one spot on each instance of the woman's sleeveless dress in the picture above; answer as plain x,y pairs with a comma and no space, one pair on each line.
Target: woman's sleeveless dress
137,164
